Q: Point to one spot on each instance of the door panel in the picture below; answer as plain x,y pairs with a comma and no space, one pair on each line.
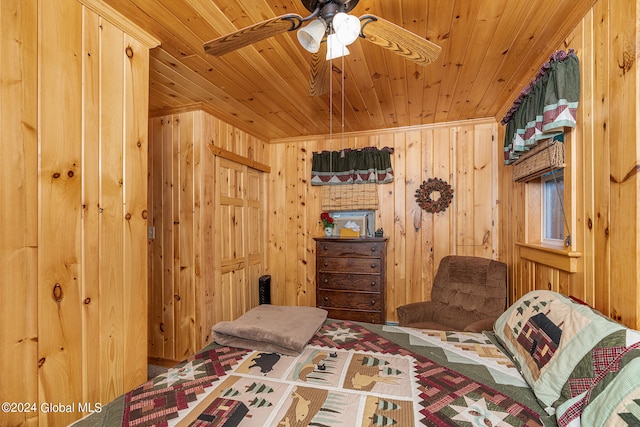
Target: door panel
239,234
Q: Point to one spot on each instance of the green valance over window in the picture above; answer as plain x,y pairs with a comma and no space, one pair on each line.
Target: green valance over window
545,107
350,166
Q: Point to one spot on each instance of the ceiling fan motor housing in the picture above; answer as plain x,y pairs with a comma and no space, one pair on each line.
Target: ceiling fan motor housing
328,8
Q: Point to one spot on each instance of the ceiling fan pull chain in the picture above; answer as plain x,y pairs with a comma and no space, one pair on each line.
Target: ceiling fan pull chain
342,97
330,117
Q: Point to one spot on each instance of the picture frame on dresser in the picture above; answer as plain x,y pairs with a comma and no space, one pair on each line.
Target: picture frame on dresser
351,278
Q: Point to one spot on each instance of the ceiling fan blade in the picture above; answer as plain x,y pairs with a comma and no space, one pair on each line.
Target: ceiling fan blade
252,34
319,78
398,40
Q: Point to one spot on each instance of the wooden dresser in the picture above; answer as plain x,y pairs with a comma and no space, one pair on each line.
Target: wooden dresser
350,277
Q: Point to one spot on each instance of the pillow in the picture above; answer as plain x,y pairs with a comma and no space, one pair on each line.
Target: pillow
614,398
558,345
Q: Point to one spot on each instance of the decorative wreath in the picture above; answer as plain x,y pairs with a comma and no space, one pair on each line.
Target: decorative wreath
423,195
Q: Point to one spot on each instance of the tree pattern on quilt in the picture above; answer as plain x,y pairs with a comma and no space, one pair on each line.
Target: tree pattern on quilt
303,392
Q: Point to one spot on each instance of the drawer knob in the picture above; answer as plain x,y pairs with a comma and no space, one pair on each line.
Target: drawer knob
326,281
374,265
325,248
326,299
373,283
373,301
373,248
326,264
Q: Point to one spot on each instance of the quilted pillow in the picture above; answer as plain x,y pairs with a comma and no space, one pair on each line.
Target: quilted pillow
567,352
615,400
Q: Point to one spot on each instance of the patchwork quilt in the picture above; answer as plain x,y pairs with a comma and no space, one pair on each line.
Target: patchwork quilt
349,374
582,366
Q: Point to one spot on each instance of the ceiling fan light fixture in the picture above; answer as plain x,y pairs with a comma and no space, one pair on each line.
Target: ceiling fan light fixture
335,49
346,28
312,34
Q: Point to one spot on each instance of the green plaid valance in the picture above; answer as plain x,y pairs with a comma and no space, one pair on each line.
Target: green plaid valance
351,166
544,107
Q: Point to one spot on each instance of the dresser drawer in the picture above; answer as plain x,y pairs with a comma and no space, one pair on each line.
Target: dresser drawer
349,248
350,282
354,265
353,300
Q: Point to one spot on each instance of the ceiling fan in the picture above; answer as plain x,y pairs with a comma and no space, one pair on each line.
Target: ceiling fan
327,35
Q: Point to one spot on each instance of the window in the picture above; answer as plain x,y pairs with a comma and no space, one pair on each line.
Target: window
545,234
553,207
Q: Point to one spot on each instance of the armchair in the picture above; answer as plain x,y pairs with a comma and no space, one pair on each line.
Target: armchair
469,294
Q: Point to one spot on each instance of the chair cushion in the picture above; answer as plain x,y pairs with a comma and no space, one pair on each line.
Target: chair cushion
471,287
460,277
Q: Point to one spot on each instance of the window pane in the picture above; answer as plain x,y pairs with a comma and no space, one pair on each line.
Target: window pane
553,220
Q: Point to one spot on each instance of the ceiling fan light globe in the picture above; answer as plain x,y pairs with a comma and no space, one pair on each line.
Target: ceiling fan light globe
335,49
311,35
346,28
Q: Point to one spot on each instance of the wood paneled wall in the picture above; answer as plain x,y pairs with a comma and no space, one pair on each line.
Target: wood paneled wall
73,114
19,207
463,154
603,195
186,280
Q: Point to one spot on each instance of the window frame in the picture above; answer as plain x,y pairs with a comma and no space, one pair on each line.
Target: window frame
552,177
529,240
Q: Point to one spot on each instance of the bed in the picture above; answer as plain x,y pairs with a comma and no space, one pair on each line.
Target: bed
357,374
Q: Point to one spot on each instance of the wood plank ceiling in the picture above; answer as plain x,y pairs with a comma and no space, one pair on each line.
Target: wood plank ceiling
490,50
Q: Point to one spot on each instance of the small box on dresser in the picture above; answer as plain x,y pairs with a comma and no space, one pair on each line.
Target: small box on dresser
350,278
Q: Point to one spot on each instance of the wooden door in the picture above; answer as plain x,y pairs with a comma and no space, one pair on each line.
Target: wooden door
238,238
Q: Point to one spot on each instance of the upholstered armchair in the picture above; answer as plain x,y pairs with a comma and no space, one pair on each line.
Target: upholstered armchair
469,294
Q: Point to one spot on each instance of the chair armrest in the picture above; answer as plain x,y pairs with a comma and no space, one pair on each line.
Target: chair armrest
481,325
415,312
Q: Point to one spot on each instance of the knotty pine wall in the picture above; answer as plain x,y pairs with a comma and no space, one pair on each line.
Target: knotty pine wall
603,195
185,289
186,282
73,115
462,153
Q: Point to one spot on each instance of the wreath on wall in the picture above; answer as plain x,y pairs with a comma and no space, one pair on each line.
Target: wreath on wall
434,185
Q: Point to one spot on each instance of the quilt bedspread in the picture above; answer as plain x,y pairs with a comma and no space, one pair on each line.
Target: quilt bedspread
350,374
